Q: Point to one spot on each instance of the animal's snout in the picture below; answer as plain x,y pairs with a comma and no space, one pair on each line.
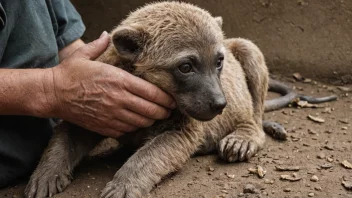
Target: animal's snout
218,104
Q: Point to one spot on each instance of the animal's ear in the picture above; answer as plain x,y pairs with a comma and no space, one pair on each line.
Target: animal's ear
219,21
128,42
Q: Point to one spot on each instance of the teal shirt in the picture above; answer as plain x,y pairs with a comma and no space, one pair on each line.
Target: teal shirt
31,34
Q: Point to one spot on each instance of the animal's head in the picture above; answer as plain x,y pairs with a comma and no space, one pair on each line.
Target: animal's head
178,47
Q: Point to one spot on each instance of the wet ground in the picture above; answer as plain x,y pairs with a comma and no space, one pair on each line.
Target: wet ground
315,150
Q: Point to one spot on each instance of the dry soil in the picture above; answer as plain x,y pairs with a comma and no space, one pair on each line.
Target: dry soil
317,149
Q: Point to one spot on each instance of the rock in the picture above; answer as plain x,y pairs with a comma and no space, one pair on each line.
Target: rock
344,121
310,131
210,169
329,146
249,188
329,159
316,119
268,181
344,89
326,166
311,194
318,188
287,168
347,185
297,76
292,178
287,189
314,178
346,164
230,176
321,155
259,170
307,80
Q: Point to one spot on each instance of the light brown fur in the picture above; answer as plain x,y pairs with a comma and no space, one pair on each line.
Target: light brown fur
237,133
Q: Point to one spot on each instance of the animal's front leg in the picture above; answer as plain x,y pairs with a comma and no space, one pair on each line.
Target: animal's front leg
160,156
243,143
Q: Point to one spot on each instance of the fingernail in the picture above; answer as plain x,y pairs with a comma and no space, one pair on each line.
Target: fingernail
103,34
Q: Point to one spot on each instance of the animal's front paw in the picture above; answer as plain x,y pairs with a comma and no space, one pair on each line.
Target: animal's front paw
116,189
235,147
46,184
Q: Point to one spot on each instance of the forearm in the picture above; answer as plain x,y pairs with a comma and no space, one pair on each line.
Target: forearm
26,92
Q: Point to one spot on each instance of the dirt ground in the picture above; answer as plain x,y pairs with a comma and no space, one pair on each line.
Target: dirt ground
316,149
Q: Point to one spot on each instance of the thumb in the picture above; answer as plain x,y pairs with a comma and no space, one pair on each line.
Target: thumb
94,49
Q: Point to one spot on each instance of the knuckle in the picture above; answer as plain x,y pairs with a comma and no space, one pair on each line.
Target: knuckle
151,111
152,93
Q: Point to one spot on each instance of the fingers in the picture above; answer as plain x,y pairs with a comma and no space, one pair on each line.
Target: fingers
93,49
148,91
146,108
135,119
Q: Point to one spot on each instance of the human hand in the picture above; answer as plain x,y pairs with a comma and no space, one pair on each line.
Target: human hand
104,98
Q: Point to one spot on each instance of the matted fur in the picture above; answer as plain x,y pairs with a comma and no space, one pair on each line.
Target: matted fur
165,31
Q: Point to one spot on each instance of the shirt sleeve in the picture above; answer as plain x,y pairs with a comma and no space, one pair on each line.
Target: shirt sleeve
69,23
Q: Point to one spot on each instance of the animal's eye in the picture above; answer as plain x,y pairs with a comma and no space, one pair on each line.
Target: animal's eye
185,68
219,63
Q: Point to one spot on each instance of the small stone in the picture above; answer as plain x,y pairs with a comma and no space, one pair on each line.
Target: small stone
314,178
316,119
241,195
287,168
347,185
321,155
249,188
344,128
346,164
310,131
318,188
231,176
224,191
292,178
329,159
329,147
311,194
297,76
326,166
344,121
268,181
211,169
287,189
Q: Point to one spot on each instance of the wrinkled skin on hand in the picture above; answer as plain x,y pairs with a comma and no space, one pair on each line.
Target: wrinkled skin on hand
101,97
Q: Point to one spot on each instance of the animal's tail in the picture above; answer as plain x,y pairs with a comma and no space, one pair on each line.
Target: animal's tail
288,95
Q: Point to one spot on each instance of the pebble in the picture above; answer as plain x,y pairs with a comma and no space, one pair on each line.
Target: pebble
249,188
287,190
311,195
318,188
321,155
329,147
314,178
268,181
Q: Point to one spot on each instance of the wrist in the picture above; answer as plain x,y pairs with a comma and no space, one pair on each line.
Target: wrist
45,104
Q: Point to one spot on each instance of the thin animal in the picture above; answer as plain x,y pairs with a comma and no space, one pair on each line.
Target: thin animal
219,84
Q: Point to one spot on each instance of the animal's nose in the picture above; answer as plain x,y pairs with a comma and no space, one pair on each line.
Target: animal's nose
218,104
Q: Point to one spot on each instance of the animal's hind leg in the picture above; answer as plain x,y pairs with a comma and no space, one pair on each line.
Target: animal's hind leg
257,76
256,71
66,148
